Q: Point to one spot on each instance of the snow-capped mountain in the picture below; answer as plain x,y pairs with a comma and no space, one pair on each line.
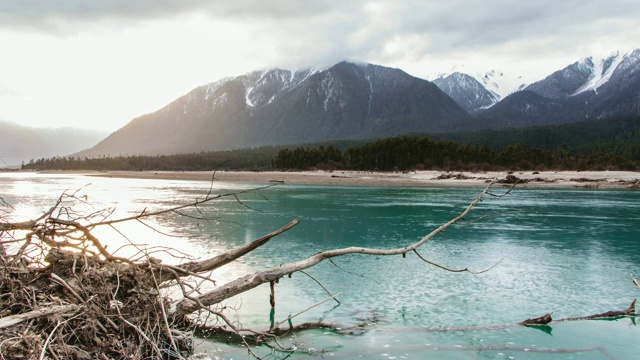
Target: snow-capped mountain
467,91
503,84
586,89
282,107
496,81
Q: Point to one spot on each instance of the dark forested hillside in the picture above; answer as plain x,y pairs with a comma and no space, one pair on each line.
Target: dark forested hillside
620,135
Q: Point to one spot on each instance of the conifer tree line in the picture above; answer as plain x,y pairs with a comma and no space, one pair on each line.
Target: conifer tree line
418,152
390,154
245,159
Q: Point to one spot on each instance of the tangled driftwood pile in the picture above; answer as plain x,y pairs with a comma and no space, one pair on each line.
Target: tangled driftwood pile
65,296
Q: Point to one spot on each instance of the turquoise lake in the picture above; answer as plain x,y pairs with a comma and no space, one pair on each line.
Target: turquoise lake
566,251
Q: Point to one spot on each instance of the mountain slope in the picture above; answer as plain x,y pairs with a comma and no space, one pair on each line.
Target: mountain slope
281,107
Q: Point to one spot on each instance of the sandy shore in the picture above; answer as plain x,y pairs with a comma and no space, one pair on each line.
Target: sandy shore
566,179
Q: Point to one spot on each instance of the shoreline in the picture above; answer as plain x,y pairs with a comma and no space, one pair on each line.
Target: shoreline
426,178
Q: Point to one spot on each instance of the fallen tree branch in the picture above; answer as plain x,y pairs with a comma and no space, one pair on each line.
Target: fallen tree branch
248,282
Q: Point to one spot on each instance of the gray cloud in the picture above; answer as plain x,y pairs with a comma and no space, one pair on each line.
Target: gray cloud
66,15
325,31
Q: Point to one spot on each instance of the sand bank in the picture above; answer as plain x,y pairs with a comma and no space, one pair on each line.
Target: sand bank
566,179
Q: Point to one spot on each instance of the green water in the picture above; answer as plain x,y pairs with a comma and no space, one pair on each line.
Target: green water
569,252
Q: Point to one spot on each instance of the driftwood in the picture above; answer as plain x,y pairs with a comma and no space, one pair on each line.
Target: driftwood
50,310
542,320
630,311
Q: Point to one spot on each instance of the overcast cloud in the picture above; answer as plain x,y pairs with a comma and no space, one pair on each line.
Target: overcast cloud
101,63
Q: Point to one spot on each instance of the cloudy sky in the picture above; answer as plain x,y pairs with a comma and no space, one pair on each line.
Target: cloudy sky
100,63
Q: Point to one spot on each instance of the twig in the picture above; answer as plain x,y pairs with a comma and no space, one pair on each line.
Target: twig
353,273
635,281
456,270
46,343
136,328
506,192
322,286
164,314
304,311
64,284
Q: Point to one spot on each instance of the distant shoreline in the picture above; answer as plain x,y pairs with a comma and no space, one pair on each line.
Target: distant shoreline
429,178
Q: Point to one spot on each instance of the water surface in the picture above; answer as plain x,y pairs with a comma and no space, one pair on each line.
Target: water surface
569,252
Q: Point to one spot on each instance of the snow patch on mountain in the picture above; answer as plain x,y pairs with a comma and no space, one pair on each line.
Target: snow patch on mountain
601,71
211,88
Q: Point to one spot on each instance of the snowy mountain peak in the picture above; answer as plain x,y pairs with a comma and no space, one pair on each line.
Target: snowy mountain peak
467,91
496,81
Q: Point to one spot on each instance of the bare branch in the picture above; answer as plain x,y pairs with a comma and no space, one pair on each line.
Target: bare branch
195,203
251,281
322,286
229,256
455,270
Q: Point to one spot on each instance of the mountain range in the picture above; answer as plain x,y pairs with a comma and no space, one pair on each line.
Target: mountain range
365,101
21,144
586,89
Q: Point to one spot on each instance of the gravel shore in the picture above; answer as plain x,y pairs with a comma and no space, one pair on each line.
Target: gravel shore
564,179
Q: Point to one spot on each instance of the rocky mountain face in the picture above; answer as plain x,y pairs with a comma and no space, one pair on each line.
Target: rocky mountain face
281,107
470,94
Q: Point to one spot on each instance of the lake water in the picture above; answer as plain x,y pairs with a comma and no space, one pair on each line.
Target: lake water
569,252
